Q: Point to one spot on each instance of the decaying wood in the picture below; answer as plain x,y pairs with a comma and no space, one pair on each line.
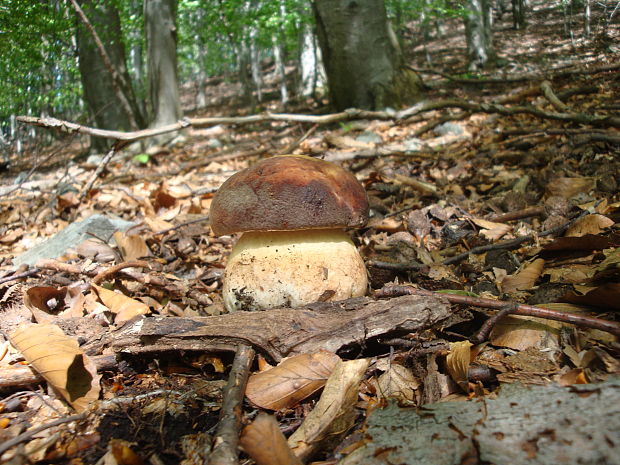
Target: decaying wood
584,321
524,425
282,332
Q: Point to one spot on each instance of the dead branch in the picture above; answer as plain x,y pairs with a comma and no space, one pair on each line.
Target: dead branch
545,86
518,214
226,440
6,445
280,332
111,271
522,309
351,114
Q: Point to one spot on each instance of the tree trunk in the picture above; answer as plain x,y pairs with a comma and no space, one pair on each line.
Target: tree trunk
255,66
311,69
278,55
103,103
479,35
364,69
518,14
161,43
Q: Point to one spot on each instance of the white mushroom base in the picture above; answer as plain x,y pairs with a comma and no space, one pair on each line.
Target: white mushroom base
291,269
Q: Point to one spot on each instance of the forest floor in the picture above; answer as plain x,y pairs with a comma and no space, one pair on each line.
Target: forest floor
499,191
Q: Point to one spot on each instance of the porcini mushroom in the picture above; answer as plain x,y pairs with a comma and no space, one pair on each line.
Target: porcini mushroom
294,250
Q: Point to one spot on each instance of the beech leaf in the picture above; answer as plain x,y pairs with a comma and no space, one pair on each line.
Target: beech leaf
457,363
524,279
124,307
265,443
334,413
58,358
294,379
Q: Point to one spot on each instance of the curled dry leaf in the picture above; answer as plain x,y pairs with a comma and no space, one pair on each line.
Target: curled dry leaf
265,443
132,247
398,382
334,413
124,307
524,279
60,361
490,229
291,381
457,363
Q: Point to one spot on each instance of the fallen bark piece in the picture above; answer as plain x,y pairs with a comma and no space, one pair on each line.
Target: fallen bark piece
523,425
283,332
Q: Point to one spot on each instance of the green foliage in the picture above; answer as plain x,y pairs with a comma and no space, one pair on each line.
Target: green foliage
37,59
141,158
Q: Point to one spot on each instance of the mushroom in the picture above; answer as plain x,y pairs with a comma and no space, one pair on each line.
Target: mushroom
294,250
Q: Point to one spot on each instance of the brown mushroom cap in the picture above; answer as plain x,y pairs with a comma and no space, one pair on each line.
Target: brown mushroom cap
289,192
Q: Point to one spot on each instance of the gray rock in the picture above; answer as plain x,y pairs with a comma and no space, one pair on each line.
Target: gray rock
99,226
413,145
214,143
449,128
369,137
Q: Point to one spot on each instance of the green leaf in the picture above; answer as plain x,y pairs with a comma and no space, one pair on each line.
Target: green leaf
142,158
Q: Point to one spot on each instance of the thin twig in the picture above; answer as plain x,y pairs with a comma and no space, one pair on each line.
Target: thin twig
226,439
484,331
25,436
518,214
15,277
526,310
105,274
185,223
513,243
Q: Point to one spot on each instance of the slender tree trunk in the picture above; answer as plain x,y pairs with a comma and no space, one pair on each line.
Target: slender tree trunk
311,69
161,42
364,69
518,14
587,14
278,54
257,78
105,108
479,35
245,74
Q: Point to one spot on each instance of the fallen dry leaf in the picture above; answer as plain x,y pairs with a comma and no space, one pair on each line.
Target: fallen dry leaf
570,187
524,279
60,361
125,308
522,332
132,247
334,413
590,224
290,382
491,230
398,382
265,443
606,296
457,363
